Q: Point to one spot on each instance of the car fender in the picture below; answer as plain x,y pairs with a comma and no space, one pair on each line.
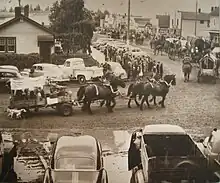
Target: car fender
87,74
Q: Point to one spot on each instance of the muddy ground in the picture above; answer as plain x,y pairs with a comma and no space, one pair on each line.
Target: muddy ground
191,105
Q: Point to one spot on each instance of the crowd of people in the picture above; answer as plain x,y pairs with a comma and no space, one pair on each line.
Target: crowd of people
136,66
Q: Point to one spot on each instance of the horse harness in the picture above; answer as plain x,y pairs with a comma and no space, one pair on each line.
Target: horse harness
105,84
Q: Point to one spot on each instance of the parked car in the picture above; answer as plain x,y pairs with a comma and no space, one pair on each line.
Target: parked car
118,70
76,159
11,67
165,152
76,69
49,70
5,76
211,149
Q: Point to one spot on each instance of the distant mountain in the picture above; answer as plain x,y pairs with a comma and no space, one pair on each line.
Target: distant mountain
147,8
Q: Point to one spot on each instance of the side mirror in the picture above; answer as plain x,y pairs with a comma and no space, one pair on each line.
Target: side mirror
201,140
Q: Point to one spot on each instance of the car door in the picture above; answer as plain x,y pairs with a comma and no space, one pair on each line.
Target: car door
134,157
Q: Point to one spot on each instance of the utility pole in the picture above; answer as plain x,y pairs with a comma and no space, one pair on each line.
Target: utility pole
196,17
129,17
19,3
219,22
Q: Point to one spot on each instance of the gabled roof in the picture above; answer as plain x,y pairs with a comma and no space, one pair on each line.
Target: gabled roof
215,12
192,16
16,19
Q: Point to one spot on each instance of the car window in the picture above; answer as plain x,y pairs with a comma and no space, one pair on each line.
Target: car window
40,68
67,64
75,163
8,75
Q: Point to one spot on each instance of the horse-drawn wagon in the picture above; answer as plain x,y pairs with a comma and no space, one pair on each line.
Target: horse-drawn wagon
36,93
207,69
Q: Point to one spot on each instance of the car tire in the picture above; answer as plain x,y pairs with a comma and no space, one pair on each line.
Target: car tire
66,110
81,80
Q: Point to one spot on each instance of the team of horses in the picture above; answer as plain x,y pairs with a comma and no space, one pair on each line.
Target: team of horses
107,93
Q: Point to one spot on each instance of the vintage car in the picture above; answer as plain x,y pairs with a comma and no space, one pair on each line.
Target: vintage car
211,149
49,70
76,69
5,75
118,70
76,159
165,152
9,67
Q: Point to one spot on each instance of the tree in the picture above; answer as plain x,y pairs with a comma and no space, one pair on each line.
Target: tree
72,22
11,10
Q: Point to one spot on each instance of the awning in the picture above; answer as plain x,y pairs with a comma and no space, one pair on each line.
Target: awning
46,38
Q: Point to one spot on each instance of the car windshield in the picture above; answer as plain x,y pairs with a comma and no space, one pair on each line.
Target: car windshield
173,145
75,163
75,176
67,64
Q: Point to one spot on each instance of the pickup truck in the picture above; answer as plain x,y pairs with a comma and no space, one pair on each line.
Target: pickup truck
76,69
210,146
165,152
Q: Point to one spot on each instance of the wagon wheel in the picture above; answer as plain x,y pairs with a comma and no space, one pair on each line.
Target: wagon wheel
66,109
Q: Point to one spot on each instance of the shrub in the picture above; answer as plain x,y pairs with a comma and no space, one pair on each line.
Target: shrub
22,61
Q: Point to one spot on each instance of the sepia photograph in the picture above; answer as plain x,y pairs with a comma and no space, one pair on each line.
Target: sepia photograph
109,91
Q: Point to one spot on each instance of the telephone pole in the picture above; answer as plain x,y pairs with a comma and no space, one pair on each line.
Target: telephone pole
196,17
129,17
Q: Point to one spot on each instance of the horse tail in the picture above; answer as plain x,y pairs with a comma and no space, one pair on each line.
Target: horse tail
130,88
81,93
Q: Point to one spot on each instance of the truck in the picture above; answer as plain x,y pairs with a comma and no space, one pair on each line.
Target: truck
210,146
77,70
164,152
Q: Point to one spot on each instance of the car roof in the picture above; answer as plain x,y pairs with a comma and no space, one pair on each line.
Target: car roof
74,59
8,70
44,64
159,129
86,141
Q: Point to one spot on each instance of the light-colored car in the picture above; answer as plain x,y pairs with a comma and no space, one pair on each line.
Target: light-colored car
211,149
76,159
118,70
11,67
50,71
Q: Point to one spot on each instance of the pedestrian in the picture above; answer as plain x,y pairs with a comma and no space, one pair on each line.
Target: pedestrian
158,67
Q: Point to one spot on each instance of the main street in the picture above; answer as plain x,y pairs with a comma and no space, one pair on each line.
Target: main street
191,105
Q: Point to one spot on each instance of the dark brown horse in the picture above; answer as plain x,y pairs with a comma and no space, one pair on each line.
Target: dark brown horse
88,94
187,69
157,89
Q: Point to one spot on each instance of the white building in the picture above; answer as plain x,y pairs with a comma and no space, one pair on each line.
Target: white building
214,24
190,22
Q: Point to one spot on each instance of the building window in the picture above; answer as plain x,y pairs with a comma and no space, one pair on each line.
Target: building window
201,21
214,21
208,23
177,22
8,44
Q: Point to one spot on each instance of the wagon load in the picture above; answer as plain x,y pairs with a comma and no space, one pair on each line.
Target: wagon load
35,93
207,68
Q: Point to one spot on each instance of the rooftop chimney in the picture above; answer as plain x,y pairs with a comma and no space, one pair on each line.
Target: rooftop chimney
17,12
42,23
216,7
26,10
212,9
199,10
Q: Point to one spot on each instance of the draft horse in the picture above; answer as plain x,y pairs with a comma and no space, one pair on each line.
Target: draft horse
160,89
88,94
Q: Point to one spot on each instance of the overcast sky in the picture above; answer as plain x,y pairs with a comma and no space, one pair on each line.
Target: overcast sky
147,8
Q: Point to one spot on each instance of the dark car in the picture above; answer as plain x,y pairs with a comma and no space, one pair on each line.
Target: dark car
5,76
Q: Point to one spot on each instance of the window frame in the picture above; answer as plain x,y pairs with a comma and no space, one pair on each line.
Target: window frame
6,45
